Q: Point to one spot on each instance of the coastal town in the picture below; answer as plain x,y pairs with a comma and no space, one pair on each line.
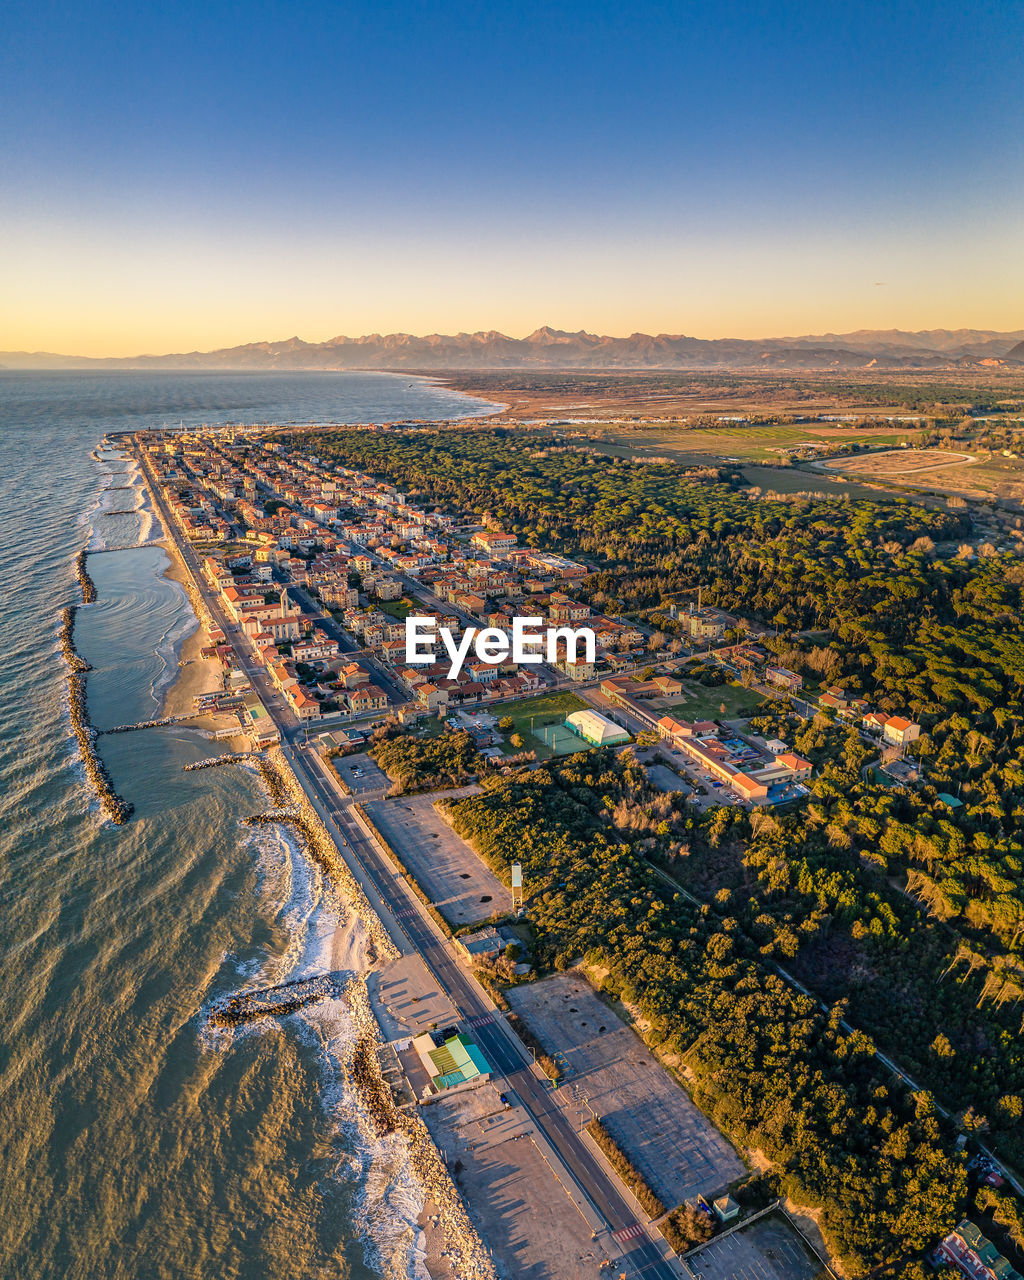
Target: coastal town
302,573
317,567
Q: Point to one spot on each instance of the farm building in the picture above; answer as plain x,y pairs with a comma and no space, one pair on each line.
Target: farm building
595,728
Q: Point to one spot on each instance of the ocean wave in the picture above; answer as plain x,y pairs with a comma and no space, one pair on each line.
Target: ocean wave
390,1199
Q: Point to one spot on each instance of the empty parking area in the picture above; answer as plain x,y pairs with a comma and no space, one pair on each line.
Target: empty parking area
532,1228
447,870
609,1069
360,774
768,1249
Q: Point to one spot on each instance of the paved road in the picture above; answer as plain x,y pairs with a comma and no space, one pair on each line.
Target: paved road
503,1048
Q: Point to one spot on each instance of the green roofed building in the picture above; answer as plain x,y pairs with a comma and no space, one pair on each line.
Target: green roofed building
451,1059
973,1253
593,727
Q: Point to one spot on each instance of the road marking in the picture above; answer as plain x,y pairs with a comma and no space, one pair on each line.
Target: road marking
631,1232
481,1020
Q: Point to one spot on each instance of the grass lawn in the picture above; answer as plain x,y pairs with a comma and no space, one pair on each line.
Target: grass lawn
705,704
399,609
544,709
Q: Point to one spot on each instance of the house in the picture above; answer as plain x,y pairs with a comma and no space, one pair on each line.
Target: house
900,732
577,671
262,730
305,707
568,611
726,1208
972,1253
491,541
366,697
485,942
705,625
784,678
434,699
352,675
316,647
667,687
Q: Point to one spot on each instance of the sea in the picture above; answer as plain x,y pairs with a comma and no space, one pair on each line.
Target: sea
137,1143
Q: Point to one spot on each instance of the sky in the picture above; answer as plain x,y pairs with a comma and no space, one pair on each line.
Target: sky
191,176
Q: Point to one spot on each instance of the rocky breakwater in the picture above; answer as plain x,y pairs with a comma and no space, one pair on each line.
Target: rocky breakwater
230,757
116,808
75,661
466,1252
276,1001
84,580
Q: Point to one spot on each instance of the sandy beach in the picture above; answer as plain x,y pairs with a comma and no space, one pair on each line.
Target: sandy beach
196,674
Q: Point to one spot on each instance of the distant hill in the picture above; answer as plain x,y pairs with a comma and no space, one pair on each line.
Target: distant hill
1016,353
548,348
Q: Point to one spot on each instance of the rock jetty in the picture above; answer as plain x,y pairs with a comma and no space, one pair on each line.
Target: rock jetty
152,724
231,757
275,1001
75,662
117,809
84,581
286,813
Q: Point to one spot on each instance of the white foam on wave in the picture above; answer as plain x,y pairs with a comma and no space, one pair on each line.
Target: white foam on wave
324,935
390,1199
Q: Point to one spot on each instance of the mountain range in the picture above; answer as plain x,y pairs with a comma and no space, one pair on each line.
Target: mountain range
556,349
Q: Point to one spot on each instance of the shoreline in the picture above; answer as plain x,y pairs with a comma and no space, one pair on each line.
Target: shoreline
195,674
441,1226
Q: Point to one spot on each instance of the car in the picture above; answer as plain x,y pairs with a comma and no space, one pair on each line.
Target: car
357,773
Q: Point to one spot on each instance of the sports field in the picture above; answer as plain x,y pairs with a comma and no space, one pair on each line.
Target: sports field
562,741
531,715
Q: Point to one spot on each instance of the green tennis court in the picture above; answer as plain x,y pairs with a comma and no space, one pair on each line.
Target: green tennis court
562,741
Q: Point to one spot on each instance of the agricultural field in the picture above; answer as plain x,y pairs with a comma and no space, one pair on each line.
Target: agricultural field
941,470
744,443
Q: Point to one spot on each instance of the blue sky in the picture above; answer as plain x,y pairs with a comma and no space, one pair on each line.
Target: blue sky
201,175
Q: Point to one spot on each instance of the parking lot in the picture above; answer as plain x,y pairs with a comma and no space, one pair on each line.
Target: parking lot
447,870
768,1249
609,1070
532,1227
360,774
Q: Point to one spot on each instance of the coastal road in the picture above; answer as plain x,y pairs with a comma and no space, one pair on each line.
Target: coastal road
504,1050
640,1256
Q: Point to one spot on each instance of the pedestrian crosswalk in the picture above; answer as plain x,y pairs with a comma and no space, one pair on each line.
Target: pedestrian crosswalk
481,1020
632,1232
